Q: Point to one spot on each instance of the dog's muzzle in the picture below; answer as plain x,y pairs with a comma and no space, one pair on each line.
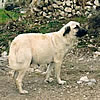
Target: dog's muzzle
81,32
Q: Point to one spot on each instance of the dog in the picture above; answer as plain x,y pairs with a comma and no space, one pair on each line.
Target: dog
40,49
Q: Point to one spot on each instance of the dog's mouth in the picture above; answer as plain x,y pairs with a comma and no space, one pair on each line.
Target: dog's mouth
81,32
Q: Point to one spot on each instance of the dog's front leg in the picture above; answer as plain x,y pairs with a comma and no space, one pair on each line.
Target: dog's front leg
57,72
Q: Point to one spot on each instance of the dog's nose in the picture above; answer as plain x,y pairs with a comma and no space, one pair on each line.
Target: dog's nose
81,32
85,31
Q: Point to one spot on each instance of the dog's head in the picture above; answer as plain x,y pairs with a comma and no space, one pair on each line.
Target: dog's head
73,28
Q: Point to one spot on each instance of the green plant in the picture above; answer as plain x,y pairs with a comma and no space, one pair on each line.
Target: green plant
4,18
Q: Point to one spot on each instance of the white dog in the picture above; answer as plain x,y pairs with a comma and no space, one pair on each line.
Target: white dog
47,48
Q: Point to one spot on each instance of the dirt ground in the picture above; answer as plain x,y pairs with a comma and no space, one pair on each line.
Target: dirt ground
73,68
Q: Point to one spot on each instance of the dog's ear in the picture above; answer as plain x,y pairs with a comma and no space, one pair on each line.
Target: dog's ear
67,30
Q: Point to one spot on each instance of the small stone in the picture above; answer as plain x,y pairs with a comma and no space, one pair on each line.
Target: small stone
88,8
90,45
77,7
62,13
46,1
97,53
58,2
94,6
79,82
84,96
44,14
76,87
50,8
68,91
68,9
34,89
90,83
89,15
74,1
61,93
96,2
69,15
67,86
89,3
64,3
99,49
87,73
93,80
81,59
55,5
36,9
68,3
78,13
3,59
4,54
61,7
44,8
73,11
22,12
84,79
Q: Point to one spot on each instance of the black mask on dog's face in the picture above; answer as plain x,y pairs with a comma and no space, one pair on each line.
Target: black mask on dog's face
81,32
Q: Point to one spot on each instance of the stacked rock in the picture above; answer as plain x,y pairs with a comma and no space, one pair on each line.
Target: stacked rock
65,8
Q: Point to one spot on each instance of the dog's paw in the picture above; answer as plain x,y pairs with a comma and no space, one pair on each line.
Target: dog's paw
49,80
23,92
44,73
11,73
62,82
38,71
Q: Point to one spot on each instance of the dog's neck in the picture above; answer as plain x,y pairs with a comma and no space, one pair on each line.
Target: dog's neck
68,39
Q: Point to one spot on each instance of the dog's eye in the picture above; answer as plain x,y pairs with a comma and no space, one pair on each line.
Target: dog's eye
77,27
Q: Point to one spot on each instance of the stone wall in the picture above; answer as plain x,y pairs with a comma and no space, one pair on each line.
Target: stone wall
2,3
64,8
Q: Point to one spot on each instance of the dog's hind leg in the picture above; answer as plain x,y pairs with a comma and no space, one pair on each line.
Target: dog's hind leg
48,72
19,80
